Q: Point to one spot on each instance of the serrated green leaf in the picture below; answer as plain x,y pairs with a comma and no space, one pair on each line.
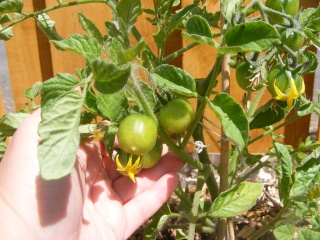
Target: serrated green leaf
115,49
229,8
55,87
307,234
113,30
59,129
309,62
307,177
269,114
47,26
176,79
3,147
284,232
285,179
90,28
314,38
80,44
177,18
132,53
250,37
233,119
6,33
34,91
108,77
305,109
128,11
113,106
10,122
198,30
236,200
5,18
9,6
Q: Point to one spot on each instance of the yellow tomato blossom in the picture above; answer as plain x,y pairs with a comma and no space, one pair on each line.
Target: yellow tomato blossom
292,94
129,168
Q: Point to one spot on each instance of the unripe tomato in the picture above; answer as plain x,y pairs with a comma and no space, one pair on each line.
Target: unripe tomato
294,40
246,78
176,116
137,134
290,7
284,85
152,158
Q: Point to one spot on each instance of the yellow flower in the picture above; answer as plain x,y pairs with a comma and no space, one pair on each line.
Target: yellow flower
292,94
126,166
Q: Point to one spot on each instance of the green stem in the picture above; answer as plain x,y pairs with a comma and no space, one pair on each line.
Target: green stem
202,176
55,7
252,171
255,102
183,198
179,52
290,120
211,78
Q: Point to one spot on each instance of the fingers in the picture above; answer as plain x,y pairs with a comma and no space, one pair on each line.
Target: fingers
127,190
143,206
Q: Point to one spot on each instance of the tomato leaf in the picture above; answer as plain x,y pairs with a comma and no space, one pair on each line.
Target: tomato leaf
47,26
268,114
308,234
90,28
80,44
250,37
10,122
6,34
307,177
9,6
34,91
198,30
108,77
128,11
113,106
176,79
229,8
285,178
132,53
146,91
59,129
284,232
232,117
236,200
55,87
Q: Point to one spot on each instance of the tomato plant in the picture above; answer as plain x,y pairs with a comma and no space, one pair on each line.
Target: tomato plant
290,7
137,134
247,77
138,77
176,116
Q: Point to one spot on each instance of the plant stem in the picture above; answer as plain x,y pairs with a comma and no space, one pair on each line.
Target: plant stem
179,52
49,9
255,102
202,176
316,109
273,129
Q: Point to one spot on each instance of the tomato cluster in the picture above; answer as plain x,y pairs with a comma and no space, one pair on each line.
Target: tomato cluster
138,140
290,7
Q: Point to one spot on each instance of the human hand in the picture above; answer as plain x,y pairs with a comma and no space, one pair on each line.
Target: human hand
93,202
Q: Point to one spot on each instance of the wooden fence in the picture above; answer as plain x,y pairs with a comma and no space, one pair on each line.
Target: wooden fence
31,58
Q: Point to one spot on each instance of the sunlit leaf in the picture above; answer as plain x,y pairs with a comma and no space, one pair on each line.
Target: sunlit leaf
59,130
128,11
236,200
90,28
232,117
10,122
9,6
108,77
250,37
284,232
176,79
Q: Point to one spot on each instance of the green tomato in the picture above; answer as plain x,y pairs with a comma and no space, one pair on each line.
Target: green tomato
293,40
246,79
290,7
176,116
137,134
152,158
284,85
